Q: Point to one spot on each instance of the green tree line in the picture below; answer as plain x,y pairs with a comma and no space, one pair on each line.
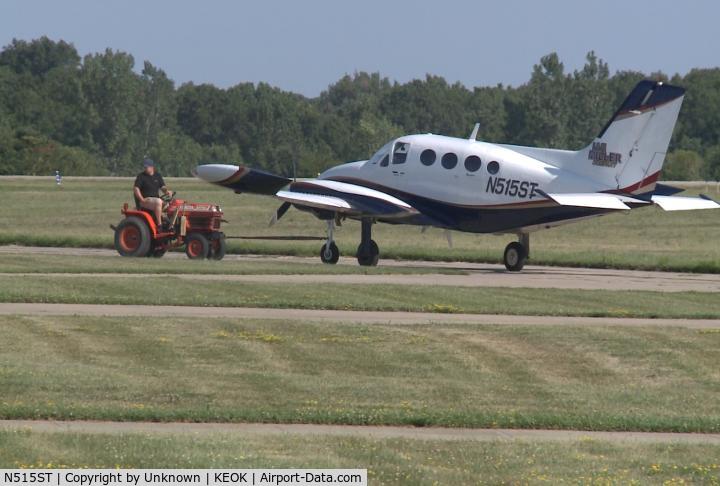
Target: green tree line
98,115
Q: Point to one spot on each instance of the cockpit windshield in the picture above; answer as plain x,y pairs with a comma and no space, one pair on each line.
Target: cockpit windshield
384,151
400,152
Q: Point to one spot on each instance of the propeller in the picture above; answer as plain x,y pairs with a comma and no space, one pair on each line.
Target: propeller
279,213
448,235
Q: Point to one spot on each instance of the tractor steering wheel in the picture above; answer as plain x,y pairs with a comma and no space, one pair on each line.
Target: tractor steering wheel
168,197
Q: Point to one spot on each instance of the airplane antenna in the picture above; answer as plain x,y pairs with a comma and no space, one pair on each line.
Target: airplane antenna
473,135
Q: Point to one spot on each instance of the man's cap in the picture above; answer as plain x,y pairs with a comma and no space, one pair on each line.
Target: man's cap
148,163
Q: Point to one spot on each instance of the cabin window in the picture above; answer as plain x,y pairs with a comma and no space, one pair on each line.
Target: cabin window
449,160
428,156
472,163
493,167
400,152
385,161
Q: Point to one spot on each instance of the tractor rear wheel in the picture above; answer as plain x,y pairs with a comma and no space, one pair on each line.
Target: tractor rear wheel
197,247
132,237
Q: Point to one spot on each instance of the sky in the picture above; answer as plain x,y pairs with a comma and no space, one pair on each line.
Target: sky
303,46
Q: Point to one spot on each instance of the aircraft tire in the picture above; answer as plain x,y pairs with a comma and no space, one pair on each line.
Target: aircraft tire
515,257
330,255
368,256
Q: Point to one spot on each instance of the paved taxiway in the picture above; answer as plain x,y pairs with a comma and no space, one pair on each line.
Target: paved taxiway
474,274
372,432
336,316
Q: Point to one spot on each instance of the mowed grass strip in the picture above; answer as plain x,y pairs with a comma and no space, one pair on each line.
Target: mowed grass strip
38,263
388,461
229,370
78,214
363,297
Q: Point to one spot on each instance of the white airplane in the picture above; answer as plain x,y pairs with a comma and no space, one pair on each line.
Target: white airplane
480,187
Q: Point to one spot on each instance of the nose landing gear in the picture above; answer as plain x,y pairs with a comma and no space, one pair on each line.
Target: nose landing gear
329,253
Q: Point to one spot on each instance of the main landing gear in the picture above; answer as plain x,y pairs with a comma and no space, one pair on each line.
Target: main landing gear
517,253
368,252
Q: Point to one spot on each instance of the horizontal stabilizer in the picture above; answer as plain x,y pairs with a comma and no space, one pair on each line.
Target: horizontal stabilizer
679,203
593,200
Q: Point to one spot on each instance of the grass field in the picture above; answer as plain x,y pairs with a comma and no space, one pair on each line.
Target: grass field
599,378
390,461
78,214
173,290
182,369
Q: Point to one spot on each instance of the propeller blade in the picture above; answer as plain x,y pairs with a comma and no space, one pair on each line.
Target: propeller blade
279,213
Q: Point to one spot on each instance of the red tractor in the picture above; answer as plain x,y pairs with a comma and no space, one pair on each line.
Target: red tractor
195,225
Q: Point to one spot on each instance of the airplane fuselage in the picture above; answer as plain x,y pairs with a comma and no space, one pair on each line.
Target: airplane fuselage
467,185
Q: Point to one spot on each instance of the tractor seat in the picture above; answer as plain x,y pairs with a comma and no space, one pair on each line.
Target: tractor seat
140,208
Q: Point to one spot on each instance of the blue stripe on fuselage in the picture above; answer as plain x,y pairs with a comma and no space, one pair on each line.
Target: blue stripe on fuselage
478,219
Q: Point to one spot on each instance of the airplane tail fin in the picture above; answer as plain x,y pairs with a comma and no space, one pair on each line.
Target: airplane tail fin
629,152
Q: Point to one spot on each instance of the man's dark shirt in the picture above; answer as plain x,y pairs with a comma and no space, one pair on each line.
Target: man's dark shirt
149,185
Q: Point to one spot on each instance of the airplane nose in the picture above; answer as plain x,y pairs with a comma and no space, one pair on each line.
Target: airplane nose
215,172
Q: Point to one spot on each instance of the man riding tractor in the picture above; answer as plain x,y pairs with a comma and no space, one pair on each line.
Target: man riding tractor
148,185
146,232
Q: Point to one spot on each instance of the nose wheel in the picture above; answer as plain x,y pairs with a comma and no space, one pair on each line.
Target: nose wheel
329,253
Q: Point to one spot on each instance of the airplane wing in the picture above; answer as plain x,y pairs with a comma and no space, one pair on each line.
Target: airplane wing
340,197
314,201
241,178
345,198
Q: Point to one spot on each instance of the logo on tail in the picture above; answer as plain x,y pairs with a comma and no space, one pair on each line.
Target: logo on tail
599,155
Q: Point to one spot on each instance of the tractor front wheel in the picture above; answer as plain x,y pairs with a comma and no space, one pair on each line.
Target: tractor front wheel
132,237
197,247
217,247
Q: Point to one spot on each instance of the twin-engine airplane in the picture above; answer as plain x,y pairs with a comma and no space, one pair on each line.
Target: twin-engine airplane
479,187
